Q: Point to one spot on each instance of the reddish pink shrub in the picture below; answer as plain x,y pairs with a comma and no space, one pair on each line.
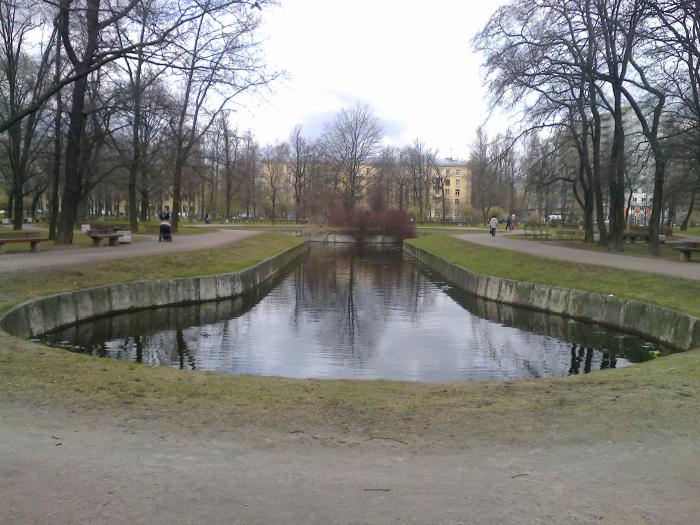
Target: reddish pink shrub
362,223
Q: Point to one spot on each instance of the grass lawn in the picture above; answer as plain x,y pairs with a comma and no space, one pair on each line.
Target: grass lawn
423,230
619,404
637,249
680,294
692,230
242,254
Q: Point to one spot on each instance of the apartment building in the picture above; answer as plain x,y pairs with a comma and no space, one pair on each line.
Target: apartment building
454,180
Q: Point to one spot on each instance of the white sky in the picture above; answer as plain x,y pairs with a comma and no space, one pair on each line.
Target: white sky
410,60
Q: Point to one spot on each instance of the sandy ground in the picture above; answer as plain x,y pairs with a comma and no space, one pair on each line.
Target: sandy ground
613,260
63,468
13,262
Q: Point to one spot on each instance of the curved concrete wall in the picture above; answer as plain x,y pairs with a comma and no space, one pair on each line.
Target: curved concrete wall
44,314
344,238
657,323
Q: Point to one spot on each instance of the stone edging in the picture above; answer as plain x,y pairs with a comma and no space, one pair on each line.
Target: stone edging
37,316
657,323
345,238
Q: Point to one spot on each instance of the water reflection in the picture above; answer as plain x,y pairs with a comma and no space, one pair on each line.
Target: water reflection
350,312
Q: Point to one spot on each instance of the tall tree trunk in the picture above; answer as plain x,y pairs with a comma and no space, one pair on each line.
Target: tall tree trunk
686,219
17,207
657,203
73,179
616,178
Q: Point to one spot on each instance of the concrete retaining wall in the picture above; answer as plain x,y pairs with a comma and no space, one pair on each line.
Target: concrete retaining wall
343,238
44,314
656,323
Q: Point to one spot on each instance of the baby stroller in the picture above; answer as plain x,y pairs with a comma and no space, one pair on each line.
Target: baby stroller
165,232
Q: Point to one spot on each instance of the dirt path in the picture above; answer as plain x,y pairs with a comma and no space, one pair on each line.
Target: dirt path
552,251
58,468
13,262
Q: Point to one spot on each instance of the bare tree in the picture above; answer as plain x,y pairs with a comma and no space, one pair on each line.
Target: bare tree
300,151
275,160
22,80
352,140
218,61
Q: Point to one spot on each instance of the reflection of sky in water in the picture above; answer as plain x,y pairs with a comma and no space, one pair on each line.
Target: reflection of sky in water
343,314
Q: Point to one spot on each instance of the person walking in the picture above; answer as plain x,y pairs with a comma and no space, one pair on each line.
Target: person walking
493,224
509,224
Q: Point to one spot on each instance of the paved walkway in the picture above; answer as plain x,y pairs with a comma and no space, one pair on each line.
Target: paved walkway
14,262
614,260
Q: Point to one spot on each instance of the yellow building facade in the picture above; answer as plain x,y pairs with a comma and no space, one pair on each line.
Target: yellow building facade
455,182
449,177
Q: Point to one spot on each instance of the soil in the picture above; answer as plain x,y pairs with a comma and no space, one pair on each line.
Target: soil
68,467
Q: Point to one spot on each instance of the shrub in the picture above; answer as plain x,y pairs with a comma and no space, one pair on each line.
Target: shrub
363,223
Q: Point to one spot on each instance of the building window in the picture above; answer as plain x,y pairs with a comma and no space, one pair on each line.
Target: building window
457,182
447,182
447,192
458,172
457,193
447,172
457,201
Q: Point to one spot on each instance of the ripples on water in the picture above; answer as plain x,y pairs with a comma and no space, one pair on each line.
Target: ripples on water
360,313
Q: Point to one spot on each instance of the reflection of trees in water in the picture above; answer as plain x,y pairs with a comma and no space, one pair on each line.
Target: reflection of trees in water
355,309
354,292
614,344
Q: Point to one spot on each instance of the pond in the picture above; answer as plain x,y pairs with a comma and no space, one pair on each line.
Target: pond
356,312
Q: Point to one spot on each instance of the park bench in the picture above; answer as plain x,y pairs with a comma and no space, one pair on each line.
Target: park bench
33,238
635,236
535,233
686,248
101,232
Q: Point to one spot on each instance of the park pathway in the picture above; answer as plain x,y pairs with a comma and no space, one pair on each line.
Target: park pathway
149,246
549,250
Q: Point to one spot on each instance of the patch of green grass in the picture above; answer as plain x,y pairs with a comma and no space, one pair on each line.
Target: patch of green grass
692,230
672,292
637,249
437,230
240,255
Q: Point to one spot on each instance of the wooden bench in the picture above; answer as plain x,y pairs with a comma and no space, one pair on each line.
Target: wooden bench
535,233
98,234
685,249
33,238
634,236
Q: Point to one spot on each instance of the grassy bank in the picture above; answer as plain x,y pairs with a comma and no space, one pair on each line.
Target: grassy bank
660,396
676,293
240,255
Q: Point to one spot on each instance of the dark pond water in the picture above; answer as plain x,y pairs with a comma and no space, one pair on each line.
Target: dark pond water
361,313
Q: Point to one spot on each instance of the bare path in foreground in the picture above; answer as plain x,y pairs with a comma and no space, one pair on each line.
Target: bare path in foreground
13,262
58,468
552,251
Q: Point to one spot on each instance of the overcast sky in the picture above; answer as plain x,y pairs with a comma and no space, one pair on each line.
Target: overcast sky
411,61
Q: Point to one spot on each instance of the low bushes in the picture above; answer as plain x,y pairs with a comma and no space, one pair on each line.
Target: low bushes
363,223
